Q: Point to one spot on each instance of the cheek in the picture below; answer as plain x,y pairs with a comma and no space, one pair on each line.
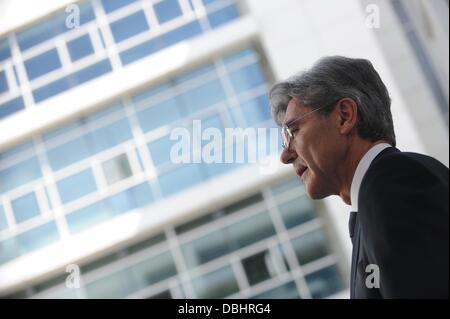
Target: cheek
322,156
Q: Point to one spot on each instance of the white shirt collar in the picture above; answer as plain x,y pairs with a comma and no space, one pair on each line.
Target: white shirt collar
361,170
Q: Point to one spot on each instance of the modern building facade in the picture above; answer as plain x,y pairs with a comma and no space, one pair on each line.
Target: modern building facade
89,96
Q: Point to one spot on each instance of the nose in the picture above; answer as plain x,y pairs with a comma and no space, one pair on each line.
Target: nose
288,155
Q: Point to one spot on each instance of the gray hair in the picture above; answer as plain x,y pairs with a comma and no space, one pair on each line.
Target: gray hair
333,78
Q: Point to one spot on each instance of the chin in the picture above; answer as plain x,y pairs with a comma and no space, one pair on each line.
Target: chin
313,191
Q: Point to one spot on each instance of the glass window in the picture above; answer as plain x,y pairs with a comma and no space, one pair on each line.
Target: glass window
180,179
19,174
129,26
76,186
206,248
310,247
12,106
214,121
208,2
51,27
88,216
111,5
160,149
42,63
247,77
91,72
62,292
50,283
80,47
41,32
162,295
256,267
86,13
146,48
8,250
296,212
100,262
256,110
61,130
3,221
135,197
206,70
167,10
5,53
219,17
324,282
146,243
239,55
23,147
203,96
109,135
184,32
244,203
250,230
68,153
228,239
116,285
217,284
139,51
38,237
287,186
154,269
216,169
25,207
105,112
197,222
3,82
286,291
53,88
144,97
159,114
116,169
63,84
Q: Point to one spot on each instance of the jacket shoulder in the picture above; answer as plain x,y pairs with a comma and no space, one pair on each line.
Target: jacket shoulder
403,169
415,165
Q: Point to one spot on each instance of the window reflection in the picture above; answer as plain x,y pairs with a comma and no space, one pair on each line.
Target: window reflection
258,267
129,26
325,282
310,247
285,291
217,284
76,186
116,169
228,239
25,207
80,47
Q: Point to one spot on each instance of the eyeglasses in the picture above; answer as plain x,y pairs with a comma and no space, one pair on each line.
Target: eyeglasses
286,131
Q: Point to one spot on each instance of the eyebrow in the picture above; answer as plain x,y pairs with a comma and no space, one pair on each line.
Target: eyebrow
292,121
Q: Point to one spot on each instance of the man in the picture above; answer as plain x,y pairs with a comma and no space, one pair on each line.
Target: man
338,135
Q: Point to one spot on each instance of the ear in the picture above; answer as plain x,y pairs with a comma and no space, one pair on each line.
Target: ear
348,115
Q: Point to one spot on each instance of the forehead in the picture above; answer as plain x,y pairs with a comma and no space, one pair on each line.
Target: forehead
295,108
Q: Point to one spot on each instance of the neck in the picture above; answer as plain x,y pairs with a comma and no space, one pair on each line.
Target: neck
355,153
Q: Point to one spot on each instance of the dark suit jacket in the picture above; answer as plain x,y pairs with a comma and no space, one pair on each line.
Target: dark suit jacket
402,226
